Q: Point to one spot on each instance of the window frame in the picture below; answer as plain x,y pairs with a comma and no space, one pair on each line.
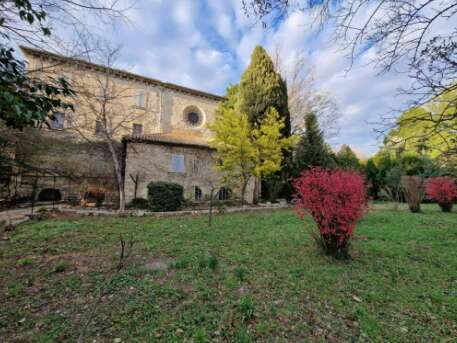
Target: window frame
193,110
198,193
141,99
61,123
177,164
136,125
98,127
224,191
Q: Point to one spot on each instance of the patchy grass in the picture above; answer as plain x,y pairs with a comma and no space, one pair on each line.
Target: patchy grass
251,277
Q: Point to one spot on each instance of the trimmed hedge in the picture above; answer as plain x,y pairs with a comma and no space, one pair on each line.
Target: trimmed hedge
165,196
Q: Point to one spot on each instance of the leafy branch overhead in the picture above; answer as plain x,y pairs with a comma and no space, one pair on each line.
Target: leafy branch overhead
25,100
416,37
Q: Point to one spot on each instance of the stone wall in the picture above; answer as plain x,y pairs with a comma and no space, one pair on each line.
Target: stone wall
152,162
175,107
56,159
163,107
164,110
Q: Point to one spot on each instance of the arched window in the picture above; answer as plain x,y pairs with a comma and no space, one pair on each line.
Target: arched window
50,194
198,194
224,193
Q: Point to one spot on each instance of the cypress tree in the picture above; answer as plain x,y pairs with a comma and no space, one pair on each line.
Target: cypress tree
312,151
261,87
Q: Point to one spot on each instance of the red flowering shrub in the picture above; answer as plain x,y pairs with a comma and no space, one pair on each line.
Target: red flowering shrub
336,199
443,190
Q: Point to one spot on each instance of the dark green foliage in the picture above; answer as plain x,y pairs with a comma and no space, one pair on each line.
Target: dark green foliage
312,151
165,196
261,87
372,178
210,262
138,204
347,159
384,165
24,100
424,166
412,165
213,262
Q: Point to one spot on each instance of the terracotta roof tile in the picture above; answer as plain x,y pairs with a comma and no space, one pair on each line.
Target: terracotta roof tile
170,139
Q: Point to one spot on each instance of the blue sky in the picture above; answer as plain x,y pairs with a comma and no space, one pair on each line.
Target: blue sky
207,45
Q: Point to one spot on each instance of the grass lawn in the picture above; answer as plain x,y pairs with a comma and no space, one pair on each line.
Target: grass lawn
252,277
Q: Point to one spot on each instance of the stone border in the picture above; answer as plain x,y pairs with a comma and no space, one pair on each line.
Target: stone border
25,216
144,213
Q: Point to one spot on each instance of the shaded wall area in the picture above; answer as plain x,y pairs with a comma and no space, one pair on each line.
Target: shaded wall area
58,162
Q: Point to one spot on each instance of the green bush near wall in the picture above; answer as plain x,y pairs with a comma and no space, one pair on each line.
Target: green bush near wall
165,196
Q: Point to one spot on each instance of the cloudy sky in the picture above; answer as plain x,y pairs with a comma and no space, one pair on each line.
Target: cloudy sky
207,45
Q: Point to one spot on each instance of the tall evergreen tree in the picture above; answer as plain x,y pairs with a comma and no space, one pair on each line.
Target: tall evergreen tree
312,151
372,178
347,159
232,98
261,87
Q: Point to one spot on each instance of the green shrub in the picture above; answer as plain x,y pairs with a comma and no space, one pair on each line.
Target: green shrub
165,196
138,204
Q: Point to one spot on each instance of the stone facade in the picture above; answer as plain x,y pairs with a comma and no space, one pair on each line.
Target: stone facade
152,160
161,125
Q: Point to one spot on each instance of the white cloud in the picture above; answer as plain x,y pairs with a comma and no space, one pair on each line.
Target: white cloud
207,45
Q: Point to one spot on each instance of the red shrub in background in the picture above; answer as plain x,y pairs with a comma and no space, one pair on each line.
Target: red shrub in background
336,199
443,190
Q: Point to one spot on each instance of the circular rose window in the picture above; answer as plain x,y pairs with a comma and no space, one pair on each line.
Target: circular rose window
193,118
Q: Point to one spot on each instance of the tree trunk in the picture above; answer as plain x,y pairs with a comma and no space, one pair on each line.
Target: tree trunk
119,179
135,182
256,190
210,213
243,191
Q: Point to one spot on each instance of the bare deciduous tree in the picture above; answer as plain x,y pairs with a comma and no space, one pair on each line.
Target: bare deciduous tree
303,95
105,110
71,15
414,190
418,37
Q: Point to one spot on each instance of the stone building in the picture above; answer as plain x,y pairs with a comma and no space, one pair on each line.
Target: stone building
161,132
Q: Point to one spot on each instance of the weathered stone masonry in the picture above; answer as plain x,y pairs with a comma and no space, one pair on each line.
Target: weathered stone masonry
172,145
